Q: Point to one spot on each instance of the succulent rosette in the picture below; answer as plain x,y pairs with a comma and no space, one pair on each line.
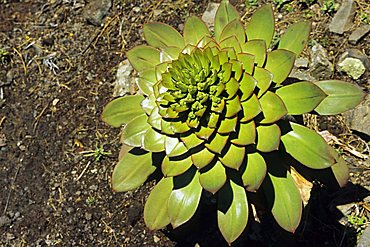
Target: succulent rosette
212,117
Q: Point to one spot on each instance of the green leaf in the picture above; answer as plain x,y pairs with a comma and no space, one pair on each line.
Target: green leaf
284,197
153,141
339,169
169,53
232,87
273,107
233,211
263,78
218,143
205,132
154,119
251,108
261,25
156,207
213,179
148,104
132,170
228,125
295,38
231,42
143,57
174,147
134,131
195,30
255,172
246,134
171,167
184,201
280,64
162,35
247,86
268,138
342,96
308,147
146,81
232,107
233,157
225,14
247,61
234,28
202,158
191,141
301,97
122,110
257,48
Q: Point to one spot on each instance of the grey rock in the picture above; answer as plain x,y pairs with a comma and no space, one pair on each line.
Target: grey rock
364,240
96,10
359,33
4,220
301,62
354,63
209,15
342,20
125,82
301,74
320,66
358,118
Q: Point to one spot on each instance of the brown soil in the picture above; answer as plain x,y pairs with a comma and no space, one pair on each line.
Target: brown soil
53,193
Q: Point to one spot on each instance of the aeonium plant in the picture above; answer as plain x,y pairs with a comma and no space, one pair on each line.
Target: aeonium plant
211,115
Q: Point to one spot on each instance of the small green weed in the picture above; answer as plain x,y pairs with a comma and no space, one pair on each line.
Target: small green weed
329,6
98,152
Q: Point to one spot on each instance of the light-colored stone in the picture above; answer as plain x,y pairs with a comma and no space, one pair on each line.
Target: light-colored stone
359,33
353,67
364,241
358,118
96,10
320,66
125,82
209,15
342,20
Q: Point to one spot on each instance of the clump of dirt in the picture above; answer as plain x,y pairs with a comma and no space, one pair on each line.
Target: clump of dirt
56,74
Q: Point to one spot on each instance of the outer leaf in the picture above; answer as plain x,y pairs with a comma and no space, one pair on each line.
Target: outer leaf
295,38
184,201
146,81
268,138
280,64
162,35
225,14
301,97
172,168
255,172
308,147
213,179
134,131
234,28
195,30
232,107
227,125
169,53
132,171
155,210
342,96
143,57
122,110
273,107
284,197
339,169
233,157
232,216
261,25
153,141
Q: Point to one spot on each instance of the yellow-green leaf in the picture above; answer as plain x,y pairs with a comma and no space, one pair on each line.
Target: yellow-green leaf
134,131
234,28
153,141
246,134
251,108
255,172
194,30
257,48
263,78
273,108
295,37
156,206
143,57
202,158
213,179
268,138
173,167
162,35
261,25
218,143
280,64
233,157
225,14
247,86
174,147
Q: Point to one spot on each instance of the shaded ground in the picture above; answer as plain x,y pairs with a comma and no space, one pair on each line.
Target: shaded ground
56,74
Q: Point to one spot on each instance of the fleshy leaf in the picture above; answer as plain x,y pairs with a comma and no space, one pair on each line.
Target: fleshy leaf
217,143
247,86
122,110
146,81
233,157
191,141
174,147
134,131
232,213
308,147
342,96
153,141
232,42
183,202
295,38
301,97
255,172
143,57
251,108
172,167
268,138
280,64
263,78
225,14
247,61
282,193
246,134
162,35
213,179
155,210
261,25
257,48
273,107
234,28
232,107
195,30
227,125
132,170
202,158
169,53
